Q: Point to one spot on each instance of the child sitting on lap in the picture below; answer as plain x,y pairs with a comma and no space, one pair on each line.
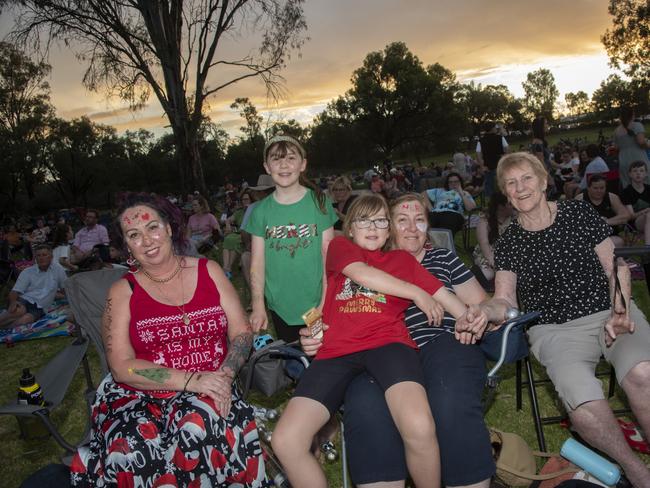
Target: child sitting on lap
368,291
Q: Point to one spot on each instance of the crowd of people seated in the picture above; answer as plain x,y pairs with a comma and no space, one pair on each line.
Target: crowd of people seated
183,401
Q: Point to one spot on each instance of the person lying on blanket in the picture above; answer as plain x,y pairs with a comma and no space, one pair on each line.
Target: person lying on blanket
36,288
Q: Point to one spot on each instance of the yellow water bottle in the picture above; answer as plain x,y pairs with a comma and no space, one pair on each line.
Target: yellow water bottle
30,392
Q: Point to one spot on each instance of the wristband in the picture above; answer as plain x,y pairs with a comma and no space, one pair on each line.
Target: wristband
188,381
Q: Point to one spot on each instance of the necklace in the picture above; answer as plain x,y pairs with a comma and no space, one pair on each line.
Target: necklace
550,219
184,317
164,280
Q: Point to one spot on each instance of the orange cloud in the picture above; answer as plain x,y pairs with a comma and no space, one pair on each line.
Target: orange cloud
487,41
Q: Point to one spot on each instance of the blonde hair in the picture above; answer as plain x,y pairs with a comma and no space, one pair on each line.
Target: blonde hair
203,203
512,160
362,207
342,181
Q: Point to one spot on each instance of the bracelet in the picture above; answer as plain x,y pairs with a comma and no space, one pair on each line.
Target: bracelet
188,381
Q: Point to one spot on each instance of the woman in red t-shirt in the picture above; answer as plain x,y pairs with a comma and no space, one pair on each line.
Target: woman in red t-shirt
368,291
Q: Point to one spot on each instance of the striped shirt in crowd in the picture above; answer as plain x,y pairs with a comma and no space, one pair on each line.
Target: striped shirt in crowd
444,265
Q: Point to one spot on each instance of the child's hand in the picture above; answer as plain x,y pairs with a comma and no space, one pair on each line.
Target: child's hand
431,308
310,346
465,337
258,320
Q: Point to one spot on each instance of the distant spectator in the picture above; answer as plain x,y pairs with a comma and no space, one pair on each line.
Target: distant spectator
539,147
449,168
232,243
376,184
450,204
636,196
61,239
596,165
93,234
202,224
264,187
342,198
629,138
476,184
39,235
460,164
567,168
13,240
368,174
490,226
608,205
489,150
391,189
35,290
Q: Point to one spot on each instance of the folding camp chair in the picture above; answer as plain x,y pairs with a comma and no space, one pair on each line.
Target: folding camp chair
471,221
278,349
508,327
443,238
86,293
55,379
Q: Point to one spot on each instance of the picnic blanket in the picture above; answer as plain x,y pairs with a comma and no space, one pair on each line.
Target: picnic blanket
54,323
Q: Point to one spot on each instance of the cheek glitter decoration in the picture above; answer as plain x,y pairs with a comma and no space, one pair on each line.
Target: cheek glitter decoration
422,227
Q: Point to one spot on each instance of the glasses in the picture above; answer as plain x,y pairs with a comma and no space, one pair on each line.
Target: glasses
381,223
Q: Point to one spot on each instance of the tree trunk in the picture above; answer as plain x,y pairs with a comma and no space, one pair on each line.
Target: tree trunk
188,158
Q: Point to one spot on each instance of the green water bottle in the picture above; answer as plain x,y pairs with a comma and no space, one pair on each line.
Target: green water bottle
30,392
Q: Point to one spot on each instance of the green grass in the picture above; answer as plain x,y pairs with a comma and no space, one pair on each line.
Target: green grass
21,457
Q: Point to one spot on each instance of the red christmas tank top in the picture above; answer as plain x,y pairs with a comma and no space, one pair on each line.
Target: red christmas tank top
158,333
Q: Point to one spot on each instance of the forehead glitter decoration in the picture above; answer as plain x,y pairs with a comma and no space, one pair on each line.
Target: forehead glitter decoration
136,217
283,138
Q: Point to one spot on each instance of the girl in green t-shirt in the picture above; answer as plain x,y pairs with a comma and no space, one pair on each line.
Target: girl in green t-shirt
291,229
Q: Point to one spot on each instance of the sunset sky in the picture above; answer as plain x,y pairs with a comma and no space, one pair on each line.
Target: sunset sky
488,42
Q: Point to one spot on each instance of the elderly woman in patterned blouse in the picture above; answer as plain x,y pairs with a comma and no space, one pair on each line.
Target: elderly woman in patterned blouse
558,259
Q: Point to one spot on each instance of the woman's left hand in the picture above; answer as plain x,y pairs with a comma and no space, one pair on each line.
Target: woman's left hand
618,323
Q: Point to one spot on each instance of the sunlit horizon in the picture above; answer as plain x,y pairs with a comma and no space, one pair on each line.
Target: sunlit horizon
469,37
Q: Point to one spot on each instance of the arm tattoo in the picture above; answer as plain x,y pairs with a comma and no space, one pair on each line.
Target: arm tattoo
157,375
239,350
107,322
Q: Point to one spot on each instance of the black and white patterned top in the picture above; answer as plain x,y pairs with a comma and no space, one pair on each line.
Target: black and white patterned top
558,271
444,265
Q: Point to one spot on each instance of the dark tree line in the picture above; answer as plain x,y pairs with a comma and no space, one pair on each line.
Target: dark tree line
397,107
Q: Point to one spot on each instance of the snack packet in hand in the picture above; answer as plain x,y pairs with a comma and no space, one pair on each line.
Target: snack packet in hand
314,320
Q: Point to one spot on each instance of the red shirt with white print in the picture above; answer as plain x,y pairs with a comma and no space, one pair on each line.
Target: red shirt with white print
360,319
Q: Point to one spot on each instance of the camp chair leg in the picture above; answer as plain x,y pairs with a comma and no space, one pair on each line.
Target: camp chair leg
44,416
87,373
518,385
612,382
344,456
541,441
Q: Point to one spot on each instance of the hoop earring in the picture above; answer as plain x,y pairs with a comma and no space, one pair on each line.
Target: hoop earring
134,265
